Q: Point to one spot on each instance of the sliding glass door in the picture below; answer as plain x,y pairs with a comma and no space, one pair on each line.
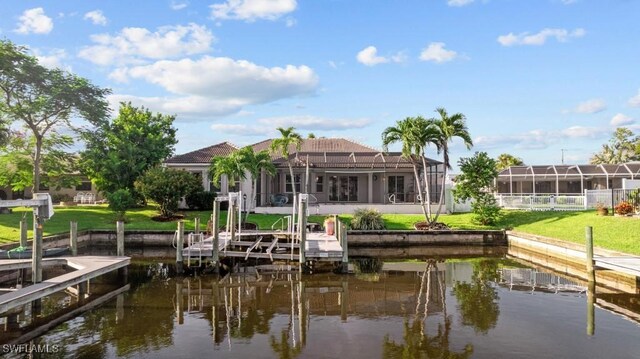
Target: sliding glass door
343,188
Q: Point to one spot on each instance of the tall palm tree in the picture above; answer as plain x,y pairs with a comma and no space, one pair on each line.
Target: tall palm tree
255,163
425,133
449,127
404,132
282,146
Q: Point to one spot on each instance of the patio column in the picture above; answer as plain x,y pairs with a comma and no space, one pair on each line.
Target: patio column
370,187
205,180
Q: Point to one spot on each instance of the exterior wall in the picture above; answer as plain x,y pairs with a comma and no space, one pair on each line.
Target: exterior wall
324,208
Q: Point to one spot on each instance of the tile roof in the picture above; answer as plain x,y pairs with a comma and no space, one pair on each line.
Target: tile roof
322,152
204,155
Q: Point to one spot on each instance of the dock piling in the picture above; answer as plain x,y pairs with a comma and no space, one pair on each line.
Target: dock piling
345,248
215,229
120,238
179,246
196,225
73,237
36,262
302,211
591,275
589,250
23,232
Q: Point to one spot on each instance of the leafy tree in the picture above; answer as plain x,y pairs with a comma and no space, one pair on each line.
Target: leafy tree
311,135
229,166
44,99
120,151
476,183
255,163
289,138
166,187
622,147
58,167
448,128
506,160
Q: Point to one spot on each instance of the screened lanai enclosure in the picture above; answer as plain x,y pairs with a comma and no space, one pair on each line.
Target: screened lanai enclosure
564,179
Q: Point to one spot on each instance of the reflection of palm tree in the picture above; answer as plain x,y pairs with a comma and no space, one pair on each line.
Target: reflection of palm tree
282,347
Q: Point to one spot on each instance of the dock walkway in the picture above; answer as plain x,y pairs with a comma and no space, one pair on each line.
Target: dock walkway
86,268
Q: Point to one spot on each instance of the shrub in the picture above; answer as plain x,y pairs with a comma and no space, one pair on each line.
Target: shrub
485,209
61,197
120,201
200,200
601,209
624,208
166,187
367,219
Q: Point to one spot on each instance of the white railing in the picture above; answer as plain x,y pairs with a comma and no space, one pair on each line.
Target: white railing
611,197
542,202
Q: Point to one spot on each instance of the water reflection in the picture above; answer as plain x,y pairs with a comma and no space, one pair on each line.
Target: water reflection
478,299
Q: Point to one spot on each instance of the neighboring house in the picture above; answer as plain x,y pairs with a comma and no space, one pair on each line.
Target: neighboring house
338,174
565,179
58,195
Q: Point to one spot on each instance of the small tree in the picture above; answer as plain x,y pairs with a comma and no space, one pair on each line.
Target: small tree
506,160
119,202
288,140
166,187
476,184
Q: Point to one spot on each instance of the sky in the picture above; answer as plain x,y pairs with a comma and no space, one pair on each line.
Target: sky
541,80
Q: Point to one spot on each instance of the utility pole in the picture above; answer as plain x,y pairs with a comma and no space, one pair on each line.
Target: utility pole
563,149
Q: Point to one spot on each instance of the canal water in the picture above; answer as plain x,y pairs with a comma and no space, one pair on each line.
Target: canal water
450,308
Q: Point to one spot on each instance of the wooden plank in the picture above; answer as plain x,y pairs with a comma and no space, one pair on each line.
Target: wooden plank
88,267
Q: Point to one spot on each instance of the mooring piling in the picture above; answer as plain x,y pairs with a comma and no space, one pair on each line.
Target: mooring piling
23,232
179,246
591,275
196,223
120,239
215,229
589,250
73,237
36,258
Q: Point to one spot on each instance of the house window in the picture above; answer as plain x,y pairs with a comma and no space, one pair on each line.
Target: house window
288,185
395,186
84,186
343,188
319,184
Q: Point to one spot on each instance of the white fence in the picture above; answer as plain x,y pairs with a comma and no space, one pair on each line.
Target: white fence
542,202
611,197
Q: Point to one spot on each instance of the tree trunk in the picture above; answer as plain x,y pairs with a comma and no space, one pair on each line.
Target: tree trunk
444,176
293,181
37,158
424,211
254,185
427,187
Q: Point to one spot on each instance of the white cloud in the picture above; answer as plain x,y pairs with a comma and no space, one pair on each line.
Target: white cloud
369,56
251,10
539,139
96,17
524,38
177,5
315,123
437,53
134,43
53,59
291,22
635,100
240,129
119,75
459,3
34,21
568,2
591,106
214,86
621,120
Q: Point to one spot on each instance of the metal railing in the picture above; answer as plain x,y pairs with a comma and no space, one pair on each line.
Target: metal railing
612,197
542,202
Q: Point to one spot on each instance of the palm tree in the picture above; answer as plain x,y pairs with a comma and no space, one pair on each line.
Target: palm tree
506,160
425,133
255,163
404,132
282,145
449,127
231,166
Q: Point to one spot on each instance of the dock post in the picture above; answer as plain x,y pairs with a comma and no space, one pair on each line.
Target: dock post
215,232
231,211
23,232
345,248
302,220
591,289
180,300
36,258
73,238
344,300
179,247
120,238
197,225
590,268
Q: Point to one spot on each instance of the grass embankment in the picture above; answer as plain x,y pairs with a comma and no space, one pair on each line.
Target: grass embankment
616,233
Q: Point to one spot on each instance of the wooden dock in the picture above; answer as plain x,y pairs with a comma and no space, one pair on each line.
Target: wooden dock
318,246
86,268
627,264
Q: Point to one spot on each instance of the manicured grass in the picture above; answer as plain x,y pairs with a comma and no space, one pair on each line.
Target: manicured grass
616,233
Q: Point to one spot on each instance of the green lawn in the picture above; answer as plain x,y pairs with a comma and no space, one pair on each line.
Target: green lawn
616,233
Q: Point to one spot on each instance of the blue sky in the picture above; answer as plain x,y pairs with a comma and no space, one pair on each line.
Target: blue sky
532,77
